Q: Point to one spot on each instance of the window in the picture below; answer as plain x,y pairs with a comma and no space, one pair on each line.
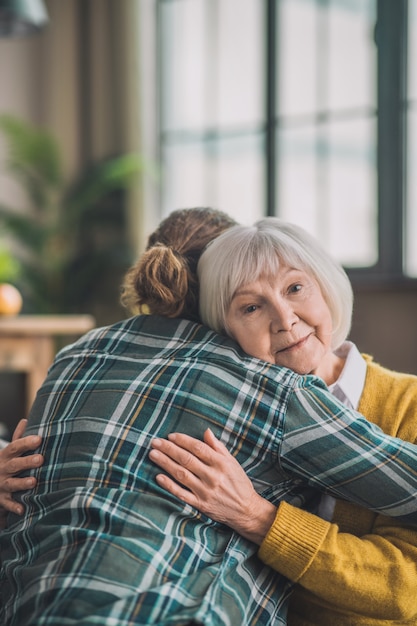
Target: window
411,108
326,114
212,105
296,108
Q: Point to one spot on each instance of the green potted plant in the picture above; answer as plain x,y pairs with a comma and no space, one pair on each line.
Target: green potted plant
71,239
10,297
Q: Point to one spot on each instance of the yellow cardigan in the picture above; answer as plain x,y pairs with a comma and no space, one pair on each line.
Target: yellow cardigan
361,569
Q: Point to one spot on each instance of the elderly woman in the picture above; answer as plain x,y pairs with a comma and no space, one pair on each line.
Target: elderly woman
273,289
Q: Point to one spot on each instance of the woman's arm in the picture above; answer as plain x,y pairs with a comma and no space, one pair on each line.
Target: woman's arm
335,449
13,462
333,565
344,570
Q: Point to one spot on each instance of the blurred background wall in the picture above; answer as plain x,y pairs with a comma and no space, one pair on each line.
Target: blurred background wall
110,77
79,81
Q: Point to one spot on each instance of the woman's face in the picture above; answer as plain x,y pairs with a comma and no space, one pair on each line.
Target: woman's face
284,319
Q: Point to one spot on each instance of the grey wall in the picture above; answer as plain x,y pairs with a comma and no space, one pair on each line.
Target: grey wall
385,325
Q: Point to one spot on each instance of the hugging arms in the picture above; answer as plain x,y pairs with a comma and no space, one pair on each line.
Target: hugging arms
119,387
298,316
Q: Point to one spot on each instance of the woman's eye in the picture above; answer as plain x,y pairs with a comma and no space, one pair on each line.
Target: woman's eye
295,288
251,308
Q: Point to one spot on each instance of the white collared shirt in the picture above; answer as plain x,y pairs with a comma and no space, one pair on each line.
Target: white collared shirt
348,389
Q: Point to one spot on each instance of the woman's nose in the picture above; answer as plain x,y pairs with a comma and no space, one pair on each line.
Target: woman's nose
283,318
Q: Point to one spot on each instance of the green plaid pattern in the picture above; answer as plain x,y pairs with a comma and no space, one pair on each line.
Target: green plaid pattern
102,544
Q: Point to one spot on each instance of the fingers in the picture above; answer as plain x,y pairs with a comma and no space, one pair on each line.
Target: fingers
212,441
192,462
191,494
174,468
20,446
20,464
177,452
176,490
20,429
11,463
8,504
187,447
208,451
184,464
11,484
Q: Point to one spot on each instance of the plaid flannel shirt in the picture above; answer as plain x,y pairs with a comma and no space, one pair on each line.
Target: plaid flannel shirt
101,543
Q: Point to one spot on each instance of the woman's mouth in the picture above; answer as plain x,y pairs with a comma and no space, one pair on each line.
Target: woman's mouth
294,346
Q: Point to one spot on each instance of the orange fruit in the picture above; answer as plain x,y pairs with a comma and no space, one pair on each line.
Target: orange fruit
10,300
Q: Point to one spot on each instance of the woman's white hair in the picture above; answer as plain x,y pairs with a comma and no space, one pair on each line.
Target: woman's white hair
242,254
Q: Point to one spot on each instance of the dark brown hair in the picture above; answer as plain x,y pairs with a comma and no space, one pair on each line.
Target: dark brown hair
164,279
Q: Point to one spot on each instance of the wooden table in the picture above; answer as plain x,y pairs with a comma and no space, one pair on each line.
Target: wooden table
28,344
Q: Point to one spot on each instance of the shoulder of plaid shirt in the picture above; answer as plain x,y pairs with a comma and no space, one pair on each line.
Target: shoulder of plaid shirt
102,543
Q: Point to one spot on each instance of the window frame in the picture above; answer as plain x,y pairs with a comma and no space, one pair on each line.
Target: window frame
391,39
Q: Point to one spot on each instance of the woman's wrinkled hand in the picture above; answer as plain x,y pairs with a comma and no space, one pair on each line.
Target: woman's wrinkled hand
12,463
212,481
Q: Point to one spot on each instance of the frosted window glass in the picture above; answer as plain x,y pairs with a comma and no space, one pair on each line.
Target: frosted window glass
185,177
185,100
351,217
212,63
327,185
412,50
296,185
240,56
297,57
352,55
241,178
227,175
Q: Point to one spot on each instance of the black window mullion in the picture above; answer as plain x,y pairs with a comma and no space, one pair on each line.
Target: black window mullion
390,36
271,170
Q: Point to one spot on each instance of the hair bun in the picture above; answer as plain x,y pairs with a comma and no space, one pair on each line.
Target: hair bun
164,280
160,281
